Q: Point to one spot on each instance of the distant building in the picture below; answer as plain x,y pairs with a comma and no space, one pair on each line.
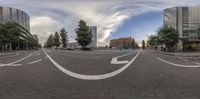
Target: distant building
123,43
186,20
73,45
20,17
93,44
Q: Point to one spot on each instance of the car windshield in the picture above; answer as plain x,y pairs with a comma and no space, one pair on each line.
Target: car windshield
99,49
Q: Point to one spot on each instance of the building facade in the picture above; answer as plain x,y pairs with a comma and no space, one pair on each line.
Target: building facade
123,43
93,44
73,45
186,20
20,17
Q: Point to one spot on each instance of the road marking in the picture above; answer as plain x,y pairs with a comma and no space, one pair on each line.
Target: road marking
179,65
13,63
91,77
183,59
1,65
196,63
20,59
114,59
35,61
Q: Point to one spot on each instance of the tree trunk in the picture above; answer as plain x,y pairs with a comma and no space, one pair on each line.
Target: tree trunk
10,46
18,46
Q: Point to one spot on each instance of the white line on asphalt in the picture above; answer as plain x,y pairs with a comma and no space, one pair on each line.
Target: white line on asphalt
179,65
35,61
20,59
91,77
183,59
114,59
196,63
1,65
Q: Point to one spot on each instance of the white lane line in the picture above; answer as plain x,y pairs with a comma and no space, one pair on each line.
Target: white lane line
1,65
20,59
91,77
183,59
196,63
114,59
35,61
179,65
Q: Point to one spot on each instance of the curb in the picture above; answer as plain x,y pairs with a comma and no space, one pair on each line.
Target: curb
175,54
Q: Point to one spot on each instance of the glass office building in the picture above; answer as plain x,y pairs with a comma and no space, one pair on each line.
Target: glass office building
20,17
93,44
186,20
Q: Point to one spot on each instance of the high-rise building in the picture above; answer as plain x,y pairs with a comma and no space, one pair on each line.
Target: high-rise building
186,20
93,44
20,17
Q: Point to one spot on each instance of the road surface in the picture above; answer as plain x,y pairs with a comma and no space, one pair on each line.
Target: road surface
99,74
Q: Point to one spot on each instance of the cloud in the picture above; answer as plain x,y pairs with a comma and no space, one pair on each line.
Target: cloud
48,16
43,26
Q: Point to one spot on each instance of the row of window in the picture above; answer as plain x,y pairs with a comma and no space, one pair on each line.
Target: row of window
11,14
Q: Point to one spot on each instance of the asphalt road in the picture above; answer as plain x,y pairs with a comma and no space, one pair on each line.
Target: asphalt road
101,74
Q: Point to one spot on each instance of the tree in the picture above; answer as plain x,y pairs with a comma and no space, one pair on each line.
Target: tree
10,33
84,35
143,44
50,41
198,32
169,36
64,37
154,40
56,39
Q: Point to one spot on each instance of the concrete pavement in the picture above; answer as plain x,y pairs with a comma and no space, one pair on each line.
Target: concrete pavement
147,77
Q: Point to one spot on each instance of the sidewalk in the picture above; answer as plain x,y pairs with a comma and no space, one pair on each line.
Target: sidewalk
181,54
7,53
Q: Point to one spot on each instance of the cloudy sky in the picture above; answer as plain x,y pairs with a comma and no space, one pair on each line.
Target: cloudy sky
113,18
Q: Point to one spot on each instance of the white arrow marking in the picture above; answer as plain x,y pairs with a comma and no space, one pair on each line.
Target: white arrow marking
91,77
35,61
114,59
179,65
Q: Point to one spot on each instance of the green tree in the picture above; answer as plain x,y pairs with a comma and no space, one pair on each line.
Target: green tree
64,37
56,39
198,32
143,44
84,35
10,33
50,41
154,40
169,36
